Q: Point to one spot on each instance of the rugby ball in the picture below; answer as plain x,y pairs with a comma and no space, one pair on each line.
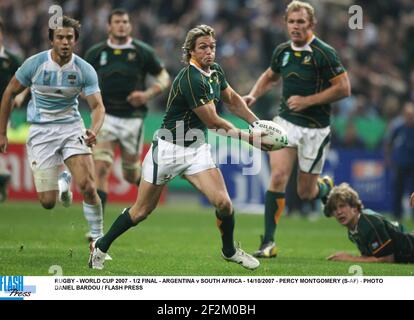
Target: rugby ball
276,135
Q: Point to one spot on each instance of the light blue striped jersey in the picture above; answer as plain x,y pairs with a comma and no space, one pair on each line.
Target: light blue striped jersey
55,89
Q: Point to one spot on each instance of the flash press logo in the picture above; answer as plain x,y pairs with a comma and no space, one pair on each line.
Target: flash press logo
13,288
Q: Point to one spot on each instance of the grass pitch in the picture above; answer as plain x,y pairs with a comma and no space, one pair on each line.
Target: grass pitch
176,240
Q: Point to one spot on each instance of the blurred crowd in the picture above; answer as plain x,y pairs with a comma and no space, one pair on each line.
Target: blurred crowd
379,58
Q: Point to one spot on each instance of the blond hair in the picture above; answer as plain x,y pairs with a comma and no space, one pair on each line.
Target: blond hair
191,38
345,194
297,5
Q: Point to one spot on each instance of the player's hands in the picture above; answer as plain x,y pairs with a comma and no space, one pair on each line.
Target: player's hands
412,200
249,99
3,143
137,98
255,139
340,256
298,103
90,138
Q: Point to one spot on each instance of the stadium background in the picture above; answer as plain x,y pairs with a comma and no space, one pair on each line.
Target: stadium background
379,60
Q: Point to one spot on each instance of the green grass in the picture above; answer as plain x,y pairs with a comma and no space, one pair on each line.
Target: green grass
176,240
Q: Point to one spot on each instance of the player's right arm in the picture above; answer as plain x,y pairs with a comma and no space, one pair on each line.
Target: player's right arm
98,115
12,90
343,256
207,113
266,81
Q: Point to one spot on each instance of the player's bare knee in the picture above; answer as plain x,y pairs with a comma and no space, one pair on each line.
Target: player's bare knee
48,204
131,172
141,215
102,171
305,194
278,180
131,178
87,188
224,206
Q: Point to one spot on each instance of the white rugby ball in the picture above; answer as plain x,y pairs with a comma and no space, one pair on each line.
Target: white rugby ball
276,135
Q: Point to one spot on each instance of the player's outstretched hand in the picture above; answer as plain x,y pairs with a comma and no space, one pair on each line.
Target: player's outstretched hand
255,139
90,138
3,143
137,98
340,256
297,103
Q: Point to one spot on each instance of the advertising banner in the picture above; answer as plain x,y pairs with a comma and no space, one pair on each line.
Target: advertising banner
22,185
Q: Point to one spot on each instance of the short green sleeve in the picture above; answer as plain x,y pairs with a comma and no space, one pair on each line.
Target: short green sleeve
331,64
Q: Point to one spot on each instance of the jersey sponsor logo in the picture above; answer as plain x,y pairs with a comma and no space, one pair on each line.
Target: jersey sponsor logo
131,56
104,58
307,60
285,59
72,78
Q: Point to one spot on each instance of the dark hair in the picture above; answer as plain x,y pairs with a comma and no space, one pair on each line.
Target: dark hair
67,23
117,12
1,25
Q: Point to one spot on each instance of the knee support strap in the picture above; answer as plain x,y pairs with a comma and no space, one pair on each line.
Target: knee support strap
46,179
103,155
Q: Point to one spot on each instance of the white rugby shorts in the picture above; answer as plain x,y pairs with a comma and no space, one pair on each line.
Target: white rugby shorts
127,131
49,145
165,160
312,144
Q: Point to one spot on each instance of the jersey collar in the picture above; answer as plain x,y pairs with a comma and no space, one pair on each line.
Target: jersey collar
355,231
197,66
2,52
127,45
49,54
306,47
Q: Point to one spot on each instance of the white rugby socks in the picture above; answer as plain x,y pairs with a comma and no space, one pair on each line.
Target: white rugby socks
94,215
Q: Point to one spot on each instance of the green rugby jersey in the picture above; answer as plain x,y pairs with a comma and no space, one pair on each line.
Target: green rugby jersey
122,69
304,73
9,63
376,236
191,88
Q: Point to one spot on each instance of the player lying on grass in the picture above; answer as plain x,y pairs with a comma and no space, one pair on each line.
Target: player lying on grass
378,239
180,148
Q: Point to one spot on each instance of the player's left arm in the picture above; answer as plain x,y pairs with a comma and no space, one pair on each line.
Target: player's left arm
12,90
237,105
162,81
340,88
98,115
343,256
412,200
